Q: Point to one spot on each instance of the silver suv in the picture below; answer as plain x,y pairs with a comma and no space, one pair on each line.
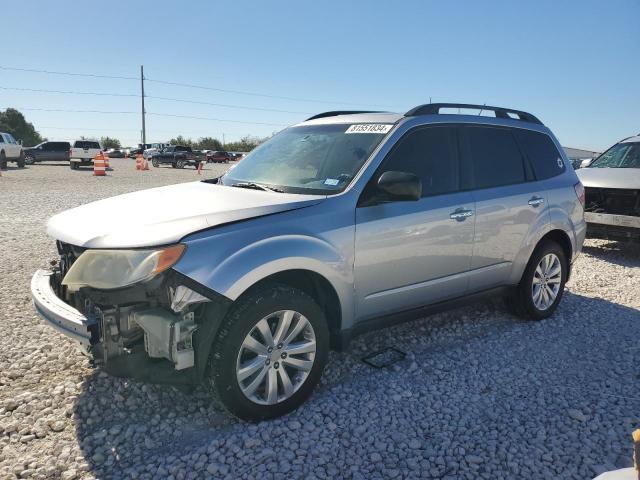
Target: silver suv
343,223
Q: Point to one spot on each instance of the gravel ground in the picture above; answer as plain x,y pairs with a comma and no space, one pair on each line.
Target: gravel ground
480,394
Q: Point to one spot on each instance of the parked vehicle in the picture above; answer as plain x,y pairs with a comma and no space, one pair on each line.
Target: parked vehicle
219,156
83,152
47,151
612,190
115,153
178,156
343,223
151,149
10,151
133,151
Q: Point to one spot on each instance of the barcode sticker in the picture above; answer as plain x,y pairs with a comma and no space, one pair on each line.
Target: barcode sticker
369,128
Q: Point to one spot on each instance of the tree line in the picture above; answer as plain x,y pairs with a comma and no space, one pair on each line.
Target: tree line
14,122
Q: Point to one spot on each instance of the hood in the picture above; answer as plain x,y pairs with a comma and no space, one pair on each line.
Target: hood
610,177
164,215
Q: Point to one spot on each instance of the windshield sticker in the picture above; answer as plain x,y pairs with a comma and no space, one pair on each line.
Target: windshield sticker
369,128
331,181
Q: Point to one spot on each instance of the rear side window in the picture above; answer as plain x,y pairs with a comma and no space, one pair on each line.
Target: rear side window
60,146
541,152
86,144
431,153
494,157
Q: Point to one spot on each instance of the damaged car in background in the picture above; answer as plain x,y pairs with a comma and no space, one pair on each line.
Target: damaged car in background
343,223
612,192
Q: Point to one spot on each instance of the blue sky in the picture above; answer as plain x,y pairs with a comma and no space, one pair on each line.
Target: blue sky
573,64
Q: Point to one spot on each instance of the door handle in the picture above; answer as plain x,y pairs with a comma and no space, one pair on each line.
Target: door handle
536,201
460,215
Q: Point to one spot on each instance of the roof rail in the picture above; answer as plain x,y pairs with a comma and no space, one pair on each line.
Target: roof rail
434,108
340,112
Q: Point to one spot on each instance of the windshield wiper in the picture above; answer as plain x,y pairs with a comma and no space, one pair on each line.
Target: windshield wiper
256,186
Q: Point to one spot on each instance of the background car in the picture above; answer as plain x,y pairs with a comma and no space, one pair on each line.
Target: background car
83,152
219,156
47,151
10,151
115,153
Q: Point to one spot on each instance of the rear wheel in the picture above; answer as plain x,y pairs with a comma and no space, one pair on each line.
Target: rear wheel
542,284
155,163
73,165
3,161
21,160
29,159
180,163
269,354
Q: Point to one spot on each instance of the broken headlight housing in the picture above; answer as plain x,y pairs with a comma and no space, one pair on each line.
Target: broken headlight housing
108,269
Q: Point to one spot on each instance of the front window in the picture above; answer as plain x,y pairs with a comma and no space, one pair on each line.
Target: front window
622,155
309,159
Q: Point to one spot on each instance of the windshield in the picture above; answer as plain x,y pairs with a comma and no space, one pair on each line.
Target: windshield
622,155
309,159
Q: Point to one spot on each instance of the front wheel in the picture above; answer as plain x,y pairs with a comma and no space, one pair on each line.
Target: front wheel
155,163
269,354
542,285
29,159
180,164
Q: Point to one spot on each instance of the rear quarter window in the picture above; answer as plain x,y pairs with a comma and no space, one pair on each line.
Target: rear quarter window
541,152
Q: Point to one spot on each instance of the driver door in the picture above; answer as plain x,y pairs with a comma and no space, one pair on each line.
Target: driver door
414,253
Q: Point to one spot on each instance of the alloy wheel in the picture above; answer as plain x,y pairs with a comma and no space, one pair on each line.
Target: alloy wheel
547,279
276,357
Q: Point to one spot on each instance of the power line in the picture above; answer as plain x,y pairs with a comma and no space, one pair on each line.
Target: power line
72,74
254,94
182,100
224,105
69,92
157,114
199,87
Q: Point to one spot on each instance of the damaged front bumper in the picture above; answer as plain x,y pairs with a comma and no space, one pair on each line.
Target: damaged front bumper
612,226
60,315
159,331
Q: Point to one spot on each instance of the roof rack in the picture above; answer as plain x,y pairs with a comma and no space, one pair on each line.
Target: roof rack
434,109
340,112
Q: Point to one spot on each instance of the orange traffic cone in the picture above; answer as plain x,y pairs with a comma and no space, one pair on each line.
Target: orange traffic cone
139,161
99,168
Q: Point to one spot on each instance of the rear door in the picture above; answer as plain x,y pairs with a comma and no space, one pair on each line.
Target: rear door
59,151
11,147
509,201
413,253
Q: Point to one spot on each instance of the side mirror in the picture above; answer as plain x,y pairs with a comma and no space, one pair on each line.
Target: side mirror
400,186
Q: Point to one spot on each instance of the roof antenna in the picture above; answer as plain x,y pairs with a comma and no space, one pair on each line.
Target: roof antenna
429,99
484,105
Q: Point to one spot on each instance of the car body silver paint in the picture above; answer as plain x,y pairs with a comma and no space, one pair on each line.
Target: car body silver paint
363,254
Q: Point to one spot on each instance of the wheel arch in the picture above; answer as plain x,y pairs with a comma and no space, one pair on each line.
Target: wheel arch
317,287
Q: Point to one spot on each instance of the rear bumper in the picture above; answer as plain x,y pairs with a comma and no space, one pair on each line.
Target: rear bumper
58,314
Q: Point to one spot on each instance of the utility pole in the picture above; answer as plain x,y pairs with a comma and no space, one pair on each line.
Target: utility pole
223,141
144,130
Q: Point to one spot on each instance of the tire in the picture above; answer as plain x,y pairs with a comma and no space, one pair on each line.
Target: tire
29,159
3,161
173,165
155,163
73,165
180,163
268,306
20,160
524,302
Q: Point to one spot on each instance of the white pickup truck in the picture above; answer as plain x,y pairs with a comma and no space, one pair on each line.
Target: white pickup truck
83,152
10,151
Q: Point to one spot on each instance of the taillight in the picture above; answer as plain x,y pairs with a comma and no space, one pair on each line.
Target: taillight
579,188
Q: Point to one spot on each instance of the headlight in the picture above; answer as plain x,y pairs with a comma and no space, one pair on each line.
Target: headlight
106,269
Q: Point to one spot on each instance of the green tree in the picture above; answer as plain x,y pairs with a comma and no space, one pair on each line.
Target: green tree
208,143
245,144
13,122
180,140
108,142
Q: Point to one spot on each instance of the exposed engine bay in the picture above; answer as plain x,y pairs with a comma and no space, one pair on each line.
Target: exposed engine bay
612,200
154,321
